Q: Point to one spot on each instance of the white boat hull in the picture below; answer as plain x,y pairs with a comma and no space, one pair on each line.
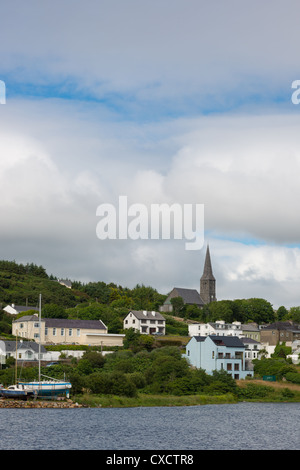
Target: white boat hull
49,388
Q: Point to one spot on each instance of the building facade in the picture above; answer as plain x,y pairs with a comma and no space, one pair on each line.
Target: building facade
145,322
218,328
218,353
280,332
65,331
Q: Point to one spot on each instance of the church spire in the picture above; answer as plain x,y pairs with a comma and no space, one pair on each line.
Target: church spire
207,271
208,281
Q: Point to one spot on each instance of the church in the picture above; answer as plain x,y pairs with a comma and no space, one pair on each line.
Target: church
191,296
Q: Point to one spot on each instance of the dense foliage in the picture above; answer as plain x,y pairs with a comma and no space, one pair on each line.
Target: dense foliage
21,284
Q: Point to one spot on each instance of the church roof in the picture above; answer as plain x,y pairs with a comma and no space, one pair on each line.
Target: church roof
189,296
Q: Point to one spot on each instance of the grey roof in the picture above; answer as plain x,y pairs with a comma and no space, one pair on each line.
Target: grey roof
229,341
250,327
249,340
65,322
22,308
189,296
283,325
200,339
10,346
148,315
26,318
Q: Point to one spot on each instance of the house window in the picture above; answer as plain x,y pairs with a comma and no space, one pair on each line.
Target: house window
213,355
78,331
62,331
36,325
70,331
126,321
54,331
46,331
21,325
229,366
236,367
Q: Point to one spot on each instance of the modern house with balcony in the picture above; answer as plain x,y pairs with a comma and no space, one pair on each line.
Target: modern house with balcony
218,353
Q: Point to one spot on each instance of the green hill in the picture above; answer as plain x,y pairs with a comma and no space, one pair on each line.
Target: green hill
22,285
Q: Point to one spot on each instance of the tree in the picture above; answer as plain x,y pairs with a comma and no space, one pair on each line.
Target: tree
178,306
95,359
282,313
295,314
54,311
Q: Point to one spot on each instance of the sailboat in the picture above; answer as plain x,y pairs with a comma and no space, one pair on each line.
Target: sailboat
16,391
51,387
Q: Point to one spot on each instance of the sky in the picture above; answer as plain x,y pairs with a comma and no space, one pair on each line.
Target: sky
170,101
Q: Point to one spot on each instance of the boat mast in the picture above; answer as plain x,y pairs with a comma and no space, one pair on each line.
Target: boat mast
40,309
16,365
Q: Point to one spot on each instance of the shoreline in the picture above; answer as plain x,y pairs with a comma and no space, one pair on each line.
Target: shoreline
36,404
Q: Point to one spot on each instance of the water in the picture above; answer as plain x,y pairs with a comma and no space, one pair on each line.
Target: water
243,426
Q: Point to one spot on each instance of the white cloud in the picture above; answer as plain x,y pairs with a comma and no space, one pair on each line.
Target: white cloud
243,168
61,159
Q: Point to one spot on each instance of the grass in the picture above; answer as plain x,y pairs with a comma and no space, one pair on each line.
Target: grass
113,401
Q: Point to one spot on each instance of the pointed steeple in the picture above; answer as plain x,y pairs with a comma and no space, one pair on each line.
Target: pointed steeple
208,281
207,271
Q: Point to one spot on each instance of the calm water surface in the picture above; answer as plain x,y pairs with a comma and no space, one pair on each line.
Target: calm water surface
243,426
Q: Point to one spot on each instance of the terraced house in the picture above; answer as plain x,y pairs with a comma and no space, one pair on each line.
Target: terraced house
65,331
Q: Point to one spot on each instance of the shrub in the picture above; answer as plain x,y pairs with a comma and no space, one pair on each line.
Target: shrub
293,377
287,393
255,391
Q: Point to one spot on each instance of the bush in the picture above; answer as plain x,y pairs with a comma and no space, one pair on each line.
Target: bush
274,366
287,393
293,377
115,383
255,391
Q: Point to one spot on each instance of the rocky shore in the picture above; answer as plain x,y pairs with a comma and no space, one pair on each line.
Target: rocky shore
10,403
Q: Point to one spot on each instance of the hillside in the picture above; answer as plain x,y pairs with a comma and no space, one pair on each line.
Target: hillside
22,285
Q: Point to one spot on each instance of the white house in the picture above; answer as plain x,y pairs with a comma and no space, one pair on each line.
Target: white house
252,350
15,309
22,350
218,328
146,322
